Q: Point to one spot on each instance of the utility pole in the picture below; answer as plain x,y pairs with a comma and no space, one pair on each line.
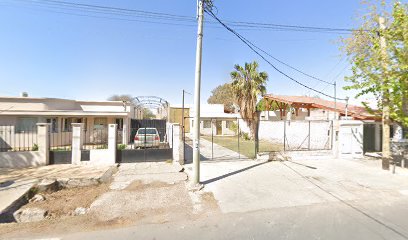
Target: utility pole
183,129
346,113
196,127
386,153
335,99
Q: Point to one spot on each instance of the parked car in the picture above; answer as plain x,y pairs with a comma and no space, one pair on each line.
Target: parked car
147,137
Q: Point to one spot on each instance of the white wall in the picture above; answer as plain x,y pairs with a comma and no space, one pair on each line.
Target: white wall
21,159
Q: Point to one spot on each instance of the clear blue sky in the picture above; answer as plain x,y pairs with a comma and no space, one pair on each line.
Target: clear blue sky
52,54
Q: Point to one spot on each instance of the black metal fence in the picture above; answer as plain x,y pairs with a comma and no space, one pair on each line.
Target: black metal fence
96,138
60,141
18,139
147,144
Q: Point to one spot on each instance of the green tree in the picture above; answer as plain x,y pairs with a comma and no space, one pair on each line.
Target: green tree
247,85
121,97
148,114
379,59
223,95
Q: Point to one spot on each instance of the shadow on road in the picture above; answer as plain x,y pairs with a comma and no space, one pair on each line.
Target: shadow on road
232,173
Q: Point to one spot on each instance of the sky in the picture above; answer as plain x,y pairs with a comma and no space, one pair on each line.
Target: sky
50,52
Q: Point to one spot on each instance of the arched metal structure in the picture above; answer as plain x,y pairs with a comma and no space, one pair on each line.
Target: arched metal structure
153,102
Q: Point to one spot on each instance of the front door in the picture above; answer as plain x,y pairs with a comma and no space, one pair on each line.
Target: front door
218,125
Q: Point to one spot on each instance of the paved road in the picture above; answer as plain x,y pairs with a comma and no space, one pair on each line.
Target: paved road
302,199
369,220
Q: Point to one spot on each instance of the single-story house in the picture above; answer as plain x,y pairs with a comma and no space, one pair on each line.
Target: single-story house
23,113
213,119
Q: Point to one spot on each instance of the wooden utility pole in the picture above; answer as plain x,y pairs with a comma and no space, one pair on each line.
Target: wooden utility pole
386,153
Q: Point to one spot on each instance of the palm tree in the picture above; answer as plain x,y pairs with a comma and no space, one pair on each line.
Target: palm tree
248,84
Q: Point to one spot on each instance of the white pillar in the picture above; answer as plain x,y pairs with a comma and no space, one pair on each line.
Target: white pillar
177,143
111,156
77,142
43,139
125,132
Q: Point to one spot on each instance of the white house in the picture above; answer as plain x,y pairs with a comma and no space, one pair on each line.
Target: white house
23,113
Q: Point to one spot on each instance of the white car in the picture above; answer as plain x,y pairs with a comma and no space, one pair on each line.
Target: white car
147,137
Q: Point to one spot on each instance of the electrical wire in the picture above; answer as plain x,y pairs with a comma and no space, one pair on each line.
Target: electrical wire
108,10
251,46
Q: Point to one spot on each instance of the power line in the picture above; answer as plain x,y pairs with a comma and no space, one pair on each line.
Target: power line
250,45
108,10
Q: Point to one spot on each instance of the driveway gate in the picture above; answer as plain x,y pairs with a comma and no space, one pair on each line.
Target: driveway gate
144,150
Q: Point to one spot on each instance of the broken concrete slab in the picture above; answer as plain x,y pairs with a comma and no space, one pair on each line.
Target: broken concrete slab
30,215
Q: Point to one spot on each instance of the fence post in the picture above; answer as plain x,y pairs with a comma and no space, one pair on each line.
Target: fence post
125,132
43,139
77,142
111,156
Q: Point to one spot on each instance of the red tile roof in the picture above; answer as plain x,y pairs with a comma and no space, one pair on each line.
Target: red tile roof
357,112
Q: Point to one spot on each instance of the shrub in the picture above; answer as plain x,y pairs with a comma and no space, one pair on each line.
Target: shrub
35,147
121,146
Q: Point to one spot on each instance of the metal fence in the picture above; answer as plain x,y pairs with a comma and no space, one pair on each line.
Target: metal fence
269,136
96,138
60,141
21,139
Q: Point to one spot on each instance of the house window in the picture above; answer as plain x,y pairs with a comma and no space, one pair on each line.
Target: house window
26,124
228,124
67,123
207,124
119,123
100,123
53,124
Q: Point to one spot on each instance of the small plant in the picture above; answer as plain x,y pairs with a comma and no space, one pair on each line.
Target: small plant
121,146
34,147
245,136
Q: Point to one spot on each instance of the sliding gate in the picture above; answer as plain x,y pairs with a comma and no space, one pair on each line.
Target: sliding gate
145,146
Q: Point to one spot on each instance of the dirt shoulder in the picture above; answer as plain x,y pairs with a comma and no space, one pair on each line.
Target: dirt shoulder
138,203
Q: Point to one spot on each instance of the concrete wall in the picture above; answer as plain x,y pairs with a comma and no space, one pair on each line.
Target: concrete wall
297,133
21,159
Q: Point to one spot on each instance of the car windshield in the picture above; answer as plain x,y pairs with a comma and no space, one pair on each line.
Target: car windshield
148,131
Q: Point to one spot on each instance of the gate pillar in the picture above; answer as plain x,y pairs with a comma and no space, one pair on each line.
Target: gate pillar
111,156
77,142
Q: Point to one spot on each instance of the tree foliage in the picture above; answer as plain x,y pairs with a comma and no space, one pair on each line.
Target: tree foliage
121,97
148,114
371,65
223,94
247,85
